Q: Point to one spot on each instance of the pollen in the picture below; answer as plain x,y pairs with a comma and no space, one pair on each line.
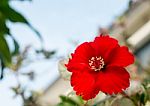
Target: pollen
96,63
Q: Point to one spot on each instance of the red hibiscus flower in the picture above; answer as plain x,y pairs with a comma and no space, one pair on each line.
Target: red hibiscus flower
99,66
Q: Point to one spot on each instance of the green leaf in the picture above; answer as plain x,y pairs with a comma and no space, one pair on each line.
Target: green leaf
81,101
142,98
15,16
69,101
16,45
3,28
2,68
4,50
3,2
11,14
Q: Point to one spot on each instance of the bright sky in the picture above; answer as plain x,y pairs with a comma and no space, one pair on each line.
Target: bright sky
59,22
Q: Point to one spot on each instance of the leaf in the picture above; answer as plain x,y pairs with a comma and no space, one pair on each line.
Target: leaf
142,98
3,28
2,69
81,101
16,45
15,16
68,100
3,2
4,50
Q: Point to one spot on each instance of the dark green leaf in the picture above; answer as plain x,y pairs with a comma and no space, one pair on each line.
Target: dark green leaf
4,50
142,98
3,28
2,69
3,2
16,45
11,14
14,16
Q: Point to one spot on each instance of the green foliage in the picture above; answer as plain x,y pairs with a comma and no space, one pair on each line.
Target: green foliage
4,50
7,13
66,101
16,45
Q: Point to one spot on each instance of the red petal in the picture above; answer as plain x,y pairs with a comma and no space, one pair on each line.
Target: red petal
121,57
113,80
84,85
103,45
80,59
77,67
83,52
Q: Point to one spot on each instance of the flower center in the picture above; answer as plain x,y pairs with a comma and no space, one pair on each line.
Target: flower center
96,63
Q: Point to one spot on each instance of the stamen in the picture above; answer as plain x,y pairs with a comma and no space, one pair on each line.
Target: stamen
96,63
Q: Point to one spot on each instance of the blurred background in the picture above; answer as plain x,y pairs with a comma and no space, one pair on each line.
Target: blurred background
36,34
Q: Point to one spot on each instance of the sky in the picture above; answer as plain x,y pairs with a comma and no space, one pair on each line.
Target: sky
60,22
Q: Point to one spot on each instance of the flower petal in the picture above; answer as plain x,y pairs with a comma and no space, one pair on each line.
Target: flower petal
77,67
113,80
121,57
83,53
103,45
84,85
80,58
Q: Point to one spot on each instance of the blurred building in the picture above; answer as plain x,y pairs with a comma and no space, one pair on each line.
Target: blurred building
131,28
